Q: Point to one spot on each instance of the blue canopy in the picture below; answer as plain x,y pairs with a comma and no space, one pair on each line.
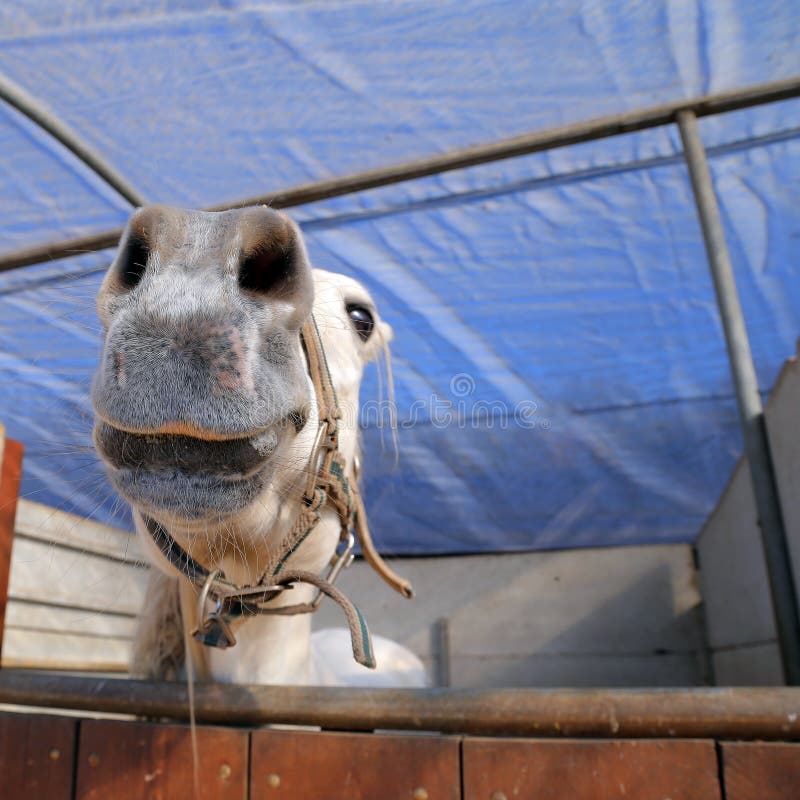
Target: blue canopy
560,372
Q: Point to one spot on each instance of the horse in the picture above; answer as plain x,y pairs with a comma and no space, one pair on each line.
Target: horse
226,414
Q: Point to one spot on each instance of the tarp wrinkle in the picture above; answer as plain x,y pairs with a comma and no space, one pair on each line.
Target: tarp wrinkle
561,377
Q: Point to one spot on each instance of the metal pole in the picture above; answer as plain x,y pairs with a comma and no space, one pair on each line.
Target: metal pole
590,130
36,112
441,633
751,413
732,713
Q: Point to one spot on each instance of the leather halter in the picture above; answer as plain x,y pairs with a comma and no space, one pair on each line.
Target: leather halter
327,483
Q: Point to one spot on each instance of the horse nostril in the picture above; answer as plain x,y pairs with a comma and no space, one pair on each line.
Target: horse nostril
132,261
271,254
264,270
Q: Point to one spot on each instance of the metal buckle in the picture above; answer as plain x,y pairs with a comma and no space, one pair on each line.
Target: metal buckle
338,562
213,629
247,592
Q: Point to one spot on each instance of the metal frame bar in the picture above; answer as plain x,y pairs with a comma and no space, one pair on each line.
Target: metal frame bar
685,113
762,713
751,412
591,130
37,113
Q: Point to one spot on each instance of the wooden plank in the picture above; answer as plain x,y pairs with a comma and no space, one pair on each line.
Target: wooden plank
47,636
67,573
761,771
49,650
36,756
42,571
48,524
42,616
589,769
345,766
139,760
10,476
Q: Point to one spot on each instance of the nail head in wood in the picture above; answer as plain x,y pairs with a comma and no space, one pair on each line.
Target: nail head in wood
273,780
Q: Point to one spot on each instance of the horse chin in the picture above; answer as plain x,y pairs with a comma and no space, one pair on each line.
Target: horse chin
190,497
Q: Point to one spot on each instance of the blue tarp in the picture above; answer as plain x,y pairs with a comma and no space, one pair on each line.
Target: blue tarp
560,368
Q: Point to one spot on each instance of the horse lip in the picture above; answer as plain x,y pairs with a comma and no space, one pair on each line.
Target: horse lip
188,429
230,459
297,418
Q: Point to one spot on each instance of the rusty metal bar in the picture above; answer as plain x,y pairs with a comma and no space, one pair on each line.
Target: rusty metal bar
578,133
37,113
761,713
751,412
591,130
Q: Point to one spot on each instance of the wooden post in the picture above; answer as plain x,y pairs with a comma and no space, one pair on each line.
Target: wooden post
10,475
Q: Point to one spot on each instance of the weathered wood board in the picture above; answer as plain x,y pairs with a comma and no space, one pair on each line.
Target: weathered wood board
348,766
589,770
62,757
761,770
75,589
60,575
51,525
137,760
36,756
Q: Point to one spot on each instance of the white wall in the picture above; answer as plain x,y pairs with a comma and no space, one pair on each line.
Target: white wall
733,574
621,616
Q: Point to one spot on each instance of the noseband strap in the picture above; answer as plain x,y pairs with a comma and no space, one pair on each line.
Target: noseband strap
327,483
232,602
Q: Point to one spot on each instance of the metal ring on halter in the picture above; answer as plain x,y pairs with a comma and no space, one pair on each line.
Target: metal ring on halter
247,593
203,597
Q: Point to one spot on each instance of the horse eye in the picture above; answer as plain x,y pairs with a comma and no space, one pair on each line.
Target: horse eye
362,320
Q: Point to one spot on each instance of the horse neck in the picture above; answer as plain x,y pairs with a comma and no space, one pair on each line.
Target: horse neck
272,648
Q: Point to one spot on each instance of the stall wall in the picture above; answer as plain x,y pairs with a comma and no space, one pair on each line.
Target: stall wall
738,608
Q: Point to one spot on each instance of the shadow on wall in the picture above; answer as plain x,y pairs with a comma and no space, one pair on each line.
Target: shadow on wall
624,616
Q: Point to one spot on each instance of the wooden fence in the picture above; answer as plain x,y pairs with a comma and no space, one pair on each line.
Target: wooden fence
50,757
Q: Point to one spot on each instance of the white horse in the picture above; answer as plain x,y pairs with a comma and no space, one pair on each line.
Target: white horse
226,414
